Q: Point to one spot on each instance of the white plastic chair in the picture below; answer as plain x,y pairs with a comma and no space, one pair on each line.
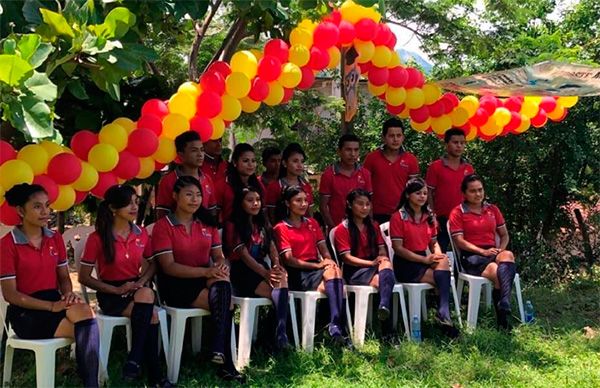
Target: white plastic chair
476,284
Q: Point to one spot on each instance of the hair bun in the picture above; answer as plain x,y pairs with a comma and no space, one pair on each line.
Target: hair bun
19,194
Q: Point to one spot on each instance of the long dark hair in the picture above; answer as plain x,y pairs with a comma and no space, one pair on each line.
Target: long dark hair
289,192
353,229
243,223
412,186
291,149
234,177
116,197
202,213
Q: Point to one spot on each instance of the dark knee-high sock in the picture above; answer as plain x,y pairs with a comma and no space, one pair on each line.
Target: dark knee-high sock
141,315
151,355
506,276
386,285
280,301
496,299
87,343
334,288
219,300
442,281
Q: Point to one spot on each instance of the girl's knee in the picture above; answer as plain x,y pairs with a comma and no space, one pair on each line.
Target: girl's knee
79,312
144,295
506,256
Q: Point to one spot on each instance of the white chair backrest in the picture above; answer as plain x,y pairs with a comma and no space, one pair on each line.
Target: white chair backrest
455,250
385,231
332,243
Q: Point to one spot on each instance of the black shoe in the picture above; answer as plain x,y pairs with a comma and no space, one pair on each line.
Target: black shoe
503,316
383,313
131,371
283,345
231,374
162,383
218,358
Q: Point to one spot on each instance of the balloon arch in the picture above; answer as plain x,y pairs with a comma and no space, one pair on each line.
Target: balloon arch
125,149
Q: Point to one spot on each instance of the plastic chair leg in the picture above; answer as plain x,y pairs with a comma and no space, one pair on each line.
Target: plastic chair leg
106,331
248,315
196,334
164,335
175,347
45,365
459,289
488,294
309,308
8,361
404,315
255,325
414,305
294,322
517,283
473,306
361,309
456,300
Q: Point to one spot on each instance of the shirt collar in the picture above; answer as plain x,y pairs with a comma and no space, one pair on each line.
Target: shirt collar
406,216
20,238
465,208
445,160
337,168
179,173
401,150
289,224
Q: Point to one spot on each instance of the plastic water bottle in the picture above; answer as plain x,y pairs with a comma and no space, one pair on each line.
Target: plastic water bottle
416,328
529,312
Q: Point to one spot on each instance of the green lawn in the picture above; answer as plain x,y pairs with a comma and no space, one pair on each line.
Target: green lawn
554,352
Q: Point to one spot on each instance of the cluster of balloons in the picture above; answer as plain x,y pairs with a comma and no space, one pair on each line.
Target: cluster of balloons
124,149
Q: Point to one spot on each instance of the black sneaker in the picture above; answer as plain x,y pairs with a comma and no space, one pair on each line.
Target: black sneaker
383,313
218,358
231,374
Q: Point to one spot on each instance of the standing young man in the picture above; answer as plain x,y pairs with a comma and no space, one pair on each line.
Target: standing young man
214,165
390,167
191,152
341,178
444,177
271,160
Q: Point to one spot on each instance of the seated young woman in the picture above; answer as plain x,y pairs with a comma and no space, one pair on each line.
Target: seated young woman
184,242
248,242
299,241
413,230
122,253
359,243
474,225
35,281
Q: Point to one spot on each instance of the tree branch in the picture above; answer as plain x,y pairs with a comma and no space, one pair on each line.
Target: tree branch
411,29
199,36
226,42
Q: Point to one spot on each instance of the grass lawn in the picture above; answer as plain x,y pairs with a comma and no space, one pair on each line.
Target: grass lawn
554,352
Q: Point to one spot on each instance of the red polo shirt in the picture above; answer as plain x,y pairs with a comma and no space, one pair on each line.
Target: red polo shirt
389,178
164,196
478,229
129,253
446,182
193,249
336,186
225,197
234,244
415,236
343,242
273,192
301,241
33,269
215,170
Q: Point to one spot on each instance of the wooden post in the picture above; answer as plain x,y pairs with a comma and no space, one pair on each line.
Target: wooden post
587,246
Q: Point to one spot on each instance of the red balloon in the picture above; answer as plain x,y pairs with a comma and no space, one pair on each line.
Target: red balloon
540,119
208,104
383,34
489,103
395,110
158,166
446,103
105,181
155,107
259,90
515,121
128,166
80,196
485,137
548,104
64,168
9,215
378,75
391,44
151,122
288,93
319,58
82,142
142,143
278,49
414,78
7,152
220,67
213,81
436,109
452,98
325,35
513,103
334,17
347,32
365,67
203,126
420,115
308,78
269,68
480,117
47,183
365,29
397,77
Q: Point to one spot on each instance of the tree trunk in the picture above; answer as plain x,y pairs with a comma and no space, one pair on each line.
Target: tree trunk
199,36
239,34
587,247
228,37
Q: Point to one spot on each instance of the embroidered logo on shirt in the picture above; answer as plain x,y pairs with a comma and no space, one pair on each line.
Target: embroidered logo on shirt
53,251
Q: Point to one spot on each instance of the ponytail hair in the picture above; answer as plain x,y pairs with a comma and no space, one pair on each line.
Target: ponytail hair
353,229
287,193
116,197
412,186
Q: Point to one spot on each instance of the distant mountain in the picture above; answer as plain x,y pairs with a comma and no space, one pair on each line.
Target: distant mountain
408,56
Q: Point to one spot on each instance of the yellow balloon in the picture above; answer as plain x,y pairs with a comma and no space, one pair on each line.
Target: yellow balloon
65,199
490,128
529,108
36,156
166,151
535,99
502,116
376,90
353,12
238,84
13,172
395,60
174,125
459,116
103,157
301,36
275,95
127,124
183,103
471,134
334,57
470,104
189,87
52,148
249,105
114,135
218,128
365,50
1,195
414,98
244,62
291,75
557,113
421,127
381,56
567,101
300,55
232,108
88,178
371,13
441,124
395,96
405,113
525,123
308,25
146,168
432,93
257,54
